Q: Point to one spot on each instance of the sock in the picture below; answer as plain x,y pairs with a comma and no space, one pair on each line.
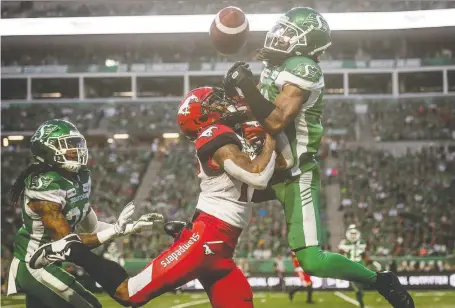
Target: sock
359,296
107,273
310,293
320,263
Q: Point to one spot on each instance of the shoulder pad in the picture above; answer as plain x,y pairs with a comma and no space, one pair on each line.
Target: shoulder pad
46,186
43,181
214,137
301,72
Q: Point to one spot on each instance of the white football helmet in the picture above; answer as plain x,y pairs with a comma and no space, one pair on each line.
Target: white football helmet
352,234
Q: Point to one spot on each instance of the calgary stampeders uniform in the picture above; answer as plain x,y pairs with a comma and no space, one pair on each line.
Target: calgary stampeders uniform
304,277
204,249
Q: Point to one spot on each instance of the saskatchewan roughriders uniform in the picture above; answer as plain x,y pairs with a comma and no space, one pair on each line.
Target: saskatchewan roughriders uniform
50,286
299,192
354,250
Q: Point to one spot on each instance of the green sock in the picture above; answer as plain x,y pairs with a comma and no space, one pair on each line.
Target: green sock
320,263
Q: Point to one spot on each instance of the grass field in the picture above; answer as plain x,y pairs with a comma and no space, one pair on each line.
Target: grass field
423,299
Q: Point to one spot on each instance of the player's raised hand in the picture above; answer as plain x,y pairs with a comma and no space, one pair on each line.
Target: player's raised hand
253,131
124,218
235,76
144,223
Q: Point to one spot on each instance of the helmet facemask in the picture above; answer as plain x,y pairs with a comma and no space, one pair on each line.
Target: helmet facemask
70,151
285,36
219,102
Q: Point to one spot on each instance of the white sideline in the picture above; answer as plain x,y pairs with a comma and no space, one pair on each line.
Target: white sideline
348,299
189,304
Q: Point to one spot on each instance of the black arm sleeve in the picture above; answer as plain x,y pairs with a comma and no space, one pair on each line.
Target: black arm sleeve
259,105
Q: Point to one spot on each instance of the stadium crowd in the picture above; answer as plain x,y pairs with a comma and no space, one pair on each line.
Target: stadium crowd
405,205
199,51
34,9
389,120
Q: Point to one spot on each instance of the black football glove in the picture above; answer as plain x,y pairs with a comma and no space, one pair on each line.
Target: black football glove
235,77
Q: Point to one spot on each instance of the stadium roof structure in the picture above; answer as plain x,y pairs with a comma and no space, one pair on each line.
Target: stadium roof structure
169,24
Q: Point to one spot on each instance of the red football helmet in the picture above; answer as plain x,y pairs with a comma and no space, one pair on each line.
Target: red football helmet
206,106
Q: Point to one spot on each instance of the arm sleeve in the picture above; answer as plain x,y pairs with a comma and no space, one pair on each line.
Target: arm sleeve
91,224
255,180
284,147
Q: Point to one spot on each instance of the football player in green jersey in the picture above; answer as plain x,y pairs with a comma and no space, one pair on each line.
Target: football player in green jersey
354,248
53,193
289,99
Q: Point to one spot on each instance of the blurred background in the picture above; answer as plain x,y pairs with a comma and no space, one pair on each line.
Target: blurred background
388,155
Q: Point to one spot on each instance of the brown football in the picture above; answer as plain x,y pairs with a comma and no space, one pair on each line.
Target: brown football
229,30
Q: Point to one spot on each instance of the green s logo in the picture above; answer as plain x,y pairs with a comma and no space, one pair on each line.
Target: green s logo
43,132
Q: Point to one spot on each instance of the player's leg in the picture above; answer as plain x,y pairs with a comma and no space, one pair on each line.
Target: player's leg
52,287
309,298
301,200
358,289
295,290
239,294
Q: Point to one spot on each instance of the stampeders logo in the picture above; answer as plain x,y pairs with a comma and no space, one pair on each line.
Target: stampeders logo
175,255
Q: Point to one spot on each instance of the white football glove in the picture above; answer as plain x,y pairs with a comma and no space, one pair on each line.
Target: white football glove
144,223
124,218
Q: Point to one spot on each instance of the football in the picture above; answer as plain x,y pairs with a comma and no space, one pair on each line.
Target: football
229,30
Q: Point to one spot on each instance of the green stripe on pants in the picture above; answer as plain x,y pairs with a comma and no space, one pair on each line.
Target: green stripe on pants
300,199
53,287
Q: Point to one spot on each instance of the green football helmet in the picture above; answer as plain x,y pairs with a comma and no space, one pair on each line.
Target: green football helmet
59,143
300,32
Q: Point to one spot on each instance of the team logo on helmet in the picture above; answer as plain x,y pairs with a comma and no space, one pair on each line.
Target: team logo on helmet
208,132
185,107
318,22
43,132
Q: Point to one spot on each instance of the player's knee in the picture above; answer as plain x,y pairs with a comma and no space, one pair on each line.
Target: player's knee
122,295
310,259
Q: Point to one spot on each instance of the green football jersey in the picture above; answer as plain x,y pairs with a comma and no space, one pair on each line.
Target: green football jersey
306,131
354,251
72,194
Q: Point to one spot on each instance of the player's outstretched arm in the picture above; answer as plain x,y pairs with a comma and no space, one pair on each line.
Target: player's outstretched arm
98,232
56,224
274,116
255,173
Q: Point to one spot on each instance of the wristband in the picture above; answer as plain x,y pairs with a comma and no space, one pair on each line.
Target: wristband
106,234
259,105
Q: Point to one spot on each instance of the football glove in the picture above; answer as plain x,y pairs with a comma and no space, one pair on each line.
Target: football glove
253,131
124,218
235,76
144,223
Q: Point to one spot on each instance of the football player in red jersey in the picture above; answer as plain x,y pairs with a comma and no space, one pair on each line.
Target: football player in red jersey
305,279
230,171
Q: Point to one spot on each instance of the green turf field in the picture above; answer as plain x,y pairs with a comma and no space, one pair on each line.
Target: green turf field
424,299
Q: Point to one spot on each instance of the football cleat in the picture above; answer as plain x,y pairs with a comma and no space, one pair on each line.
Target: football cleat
173,228
53,252
389,286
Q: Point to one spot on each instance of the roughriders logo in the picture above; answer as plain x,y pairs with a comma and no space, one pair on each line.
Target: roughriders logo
43,132
175,255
